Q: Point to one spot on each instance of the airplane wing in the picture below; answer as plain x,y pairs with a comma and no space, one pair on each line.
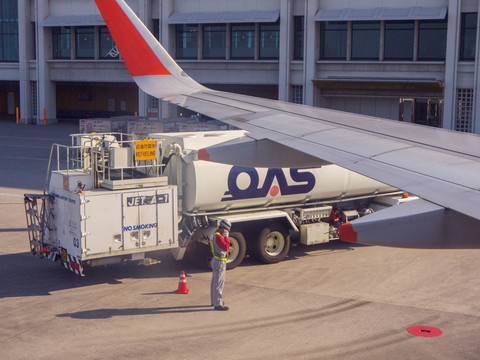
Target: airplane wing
440,166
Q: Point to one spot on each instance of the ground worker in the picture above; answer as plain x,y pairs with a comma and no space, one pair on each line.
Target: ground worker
220,245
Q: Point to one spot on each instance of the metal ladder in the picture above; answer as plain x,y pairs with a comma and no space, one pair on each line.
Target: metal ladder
37,217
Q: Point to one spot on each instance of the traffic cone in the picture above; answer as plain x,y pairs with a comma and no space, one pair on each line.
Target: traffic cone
182,284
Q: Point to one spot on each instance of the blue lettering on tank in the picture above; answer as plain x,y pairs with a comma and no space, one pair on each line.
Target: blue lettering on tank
305,179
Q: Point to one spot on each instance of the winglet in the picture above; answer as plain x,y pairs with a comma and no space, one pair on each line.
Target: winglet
134,43
150,65
412,224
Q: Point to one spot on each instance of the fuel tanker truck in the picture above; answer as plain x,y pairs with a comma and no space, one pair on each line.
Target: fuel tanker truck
111,198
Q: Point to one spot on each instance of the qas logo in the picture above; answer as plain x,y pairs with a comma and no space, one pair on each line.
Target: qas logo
305,182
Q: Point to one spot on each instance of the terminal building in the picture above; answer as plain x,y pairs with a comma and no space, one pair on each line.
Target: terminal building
414,61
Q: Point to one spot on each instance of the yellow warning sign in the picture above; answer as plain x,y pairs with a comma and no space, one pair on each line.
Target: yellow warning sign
145,149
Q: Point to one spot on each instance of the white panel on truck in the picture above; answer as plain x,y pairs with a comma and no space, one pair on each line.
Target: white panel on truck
103,222
149,218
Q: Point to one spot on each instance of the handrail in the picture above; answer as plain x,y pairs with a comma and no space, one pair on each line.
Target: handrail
45,186
93,153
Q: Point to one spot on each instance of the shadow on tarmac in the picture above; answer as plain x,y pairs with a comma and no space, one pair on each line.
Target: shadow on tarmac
109,313
326,249
13,230
302,315
25,275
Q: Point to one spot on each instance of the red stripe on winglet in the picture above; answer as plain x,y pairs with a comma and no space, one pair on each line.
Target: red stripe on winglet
138,56
346,233
203,155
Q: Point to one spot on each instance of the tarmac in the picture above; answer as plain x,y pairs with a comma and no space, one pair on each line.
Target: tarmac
333,301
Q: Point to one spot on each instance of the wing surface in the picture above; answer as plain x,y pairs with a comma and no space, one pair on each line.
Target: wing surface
440,166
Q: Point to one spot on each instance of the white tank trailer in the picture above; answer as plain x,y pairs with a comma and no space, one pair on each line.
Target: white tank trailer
112,198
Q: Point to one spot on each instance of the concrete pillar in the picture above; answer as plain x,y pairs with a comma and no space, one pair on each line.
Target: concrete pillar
451,63
143,103
476,104
167,38
47,107
286,20
144,8
311,50
25,54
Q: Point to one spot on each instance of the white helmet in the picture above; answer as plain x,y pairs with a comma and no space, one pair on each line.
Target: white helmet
225,224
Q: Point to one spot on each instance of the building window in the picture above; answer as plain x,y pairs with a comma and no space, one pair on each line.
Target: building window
214,41
269,41
34,36
298,37
61,42
464,110
243,41
432,39
156,29
333,40
468,36
365,40
85,42
9,31
428,112
186,41
154,103
399,37
108,49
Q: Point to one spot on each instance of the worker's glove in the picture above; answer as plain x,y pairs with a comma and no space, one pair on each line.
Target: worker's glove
225,233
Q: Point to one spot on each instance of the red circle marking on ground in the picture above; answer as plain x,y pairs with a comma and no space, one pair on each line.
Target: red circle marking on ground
426,331
274,190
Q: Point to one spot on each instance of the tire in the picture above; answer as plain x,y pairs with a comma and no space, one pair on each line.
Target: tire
238,248
273,244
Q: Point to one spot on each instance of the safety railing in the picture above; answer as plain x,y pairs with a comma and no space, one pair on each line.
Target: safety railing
107,156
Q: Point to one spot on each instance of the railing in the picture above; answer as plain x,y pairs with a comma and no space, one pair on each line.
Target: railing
65,158
107,156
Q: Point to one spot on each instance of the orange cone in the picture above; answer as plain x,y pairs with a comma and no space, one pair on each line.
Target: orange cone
182,284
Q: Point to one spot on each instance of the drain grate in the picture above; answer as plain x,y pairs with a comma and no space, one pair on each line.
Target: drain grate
425,331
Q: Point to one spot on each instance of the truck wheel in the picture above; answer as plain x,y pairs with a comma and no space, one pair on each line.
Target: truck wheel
238,248
199,255
273,244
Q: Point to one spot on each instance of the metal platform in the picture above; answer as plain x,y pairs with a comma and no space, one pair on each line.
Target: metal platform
134,183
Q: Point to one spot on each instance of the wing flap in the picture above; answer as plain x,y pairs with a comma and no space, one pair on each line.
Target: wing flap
261,153
414,224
